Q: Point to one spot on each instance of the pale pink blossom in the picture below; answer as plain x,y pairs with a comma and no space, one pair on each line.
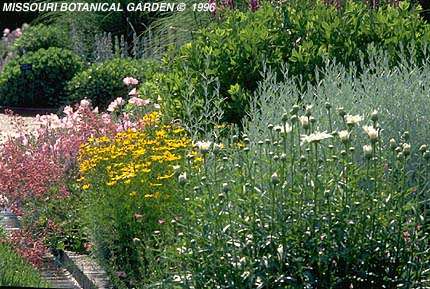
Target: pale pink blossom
115,104
133,92
68,110
6,32
130,81
138,101
18,32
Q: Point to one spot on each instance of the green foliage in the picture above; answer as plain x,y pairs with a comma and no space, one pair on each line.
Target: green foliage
44,85
323,32
42,36
301,35
233,51
62,215
304,209
14,271
102,83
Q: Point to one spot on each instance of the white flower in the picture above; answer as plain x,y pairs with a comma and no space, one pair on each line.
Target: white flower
133,92
344,135
85,103
203,146
157,106
367,149
406,148
304,121
315,137
283,129
182,178
372,133
275,178
352,119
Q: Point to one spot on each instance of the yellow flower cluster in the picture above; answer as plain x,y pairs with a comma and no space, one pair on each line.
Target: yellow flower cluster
139,157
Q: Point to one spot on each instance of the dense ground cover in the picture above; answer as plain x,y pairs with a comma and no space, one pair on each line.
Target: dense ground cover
14,271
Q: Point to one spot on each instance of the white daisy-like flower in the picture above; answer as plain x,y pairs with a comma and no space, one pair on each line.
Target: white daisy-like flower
283,129
367,150
352,119
371,132
315,137
304,121
344,135
203,146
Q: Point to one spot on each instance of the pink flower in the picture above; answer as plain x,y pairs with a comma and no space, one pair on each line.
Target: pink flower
6,32
68,110
18,32
130,81
138,101
115,104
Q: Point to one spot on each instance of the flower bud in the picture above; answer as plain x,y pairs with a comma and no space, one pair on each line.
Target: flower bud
182,178
341,111
367,149
225,188
344,136
295,109
283,157
308,110
393,144
406,135
406,149
294,118
374,116
275,178
400,155
270,126
423,148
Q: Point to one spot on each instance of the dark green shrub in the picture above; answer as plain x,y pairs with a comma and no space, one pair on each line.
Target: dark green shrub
101,83
232,51
303,35
43,86
42,36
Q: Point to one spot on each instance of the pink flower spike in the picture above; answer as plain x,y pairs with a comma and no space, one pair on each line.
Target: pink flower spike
130,81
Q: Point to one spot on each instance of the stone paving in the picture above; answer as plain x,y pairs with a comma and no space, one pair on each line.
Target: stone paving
7,128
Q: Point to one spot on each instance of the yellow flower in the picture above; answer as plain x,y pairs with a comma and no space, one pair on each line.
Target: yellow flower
85,186
133,194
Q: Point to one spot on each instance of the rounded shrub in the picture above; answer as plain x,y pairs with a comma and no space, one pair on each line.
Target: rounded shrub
42,36
42,84
103,82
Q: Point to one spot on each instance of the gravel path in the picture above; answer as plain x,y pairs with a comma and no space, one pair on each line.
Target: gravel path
7,128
